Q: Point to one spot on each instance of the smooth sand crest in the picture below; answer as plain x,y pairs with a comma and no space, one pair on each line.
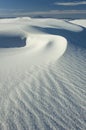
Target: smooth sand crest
42,75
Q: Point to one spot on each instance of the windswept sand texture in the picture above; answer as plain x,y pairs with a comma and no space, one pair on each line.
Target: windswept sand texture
42,74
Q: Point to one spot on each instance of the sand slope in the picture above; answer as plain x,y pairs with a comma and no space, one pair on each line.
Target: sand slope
42,74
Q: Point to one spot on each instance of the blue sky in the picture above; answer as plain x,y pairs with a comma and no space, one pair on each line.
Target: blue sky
15,7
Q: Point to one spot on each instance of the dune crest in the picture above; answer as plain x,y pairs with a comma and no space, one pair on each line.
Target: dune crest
42,74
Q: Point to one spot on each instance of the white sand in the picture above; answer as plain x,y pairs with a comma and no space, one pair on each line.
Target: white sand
42,74
81,22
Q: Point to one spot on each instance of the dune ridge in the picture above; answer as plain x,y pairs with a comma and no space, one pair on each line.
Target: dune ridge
42,83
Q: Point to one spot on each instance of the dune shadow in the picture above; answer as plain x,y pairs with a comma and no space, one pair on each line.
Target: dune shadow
8,41
76,38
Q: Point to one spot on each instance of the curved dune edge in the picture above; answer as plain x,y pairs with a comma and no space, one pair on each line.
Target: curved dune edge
81,22
39,96
39,49
46,47
37,44
29,42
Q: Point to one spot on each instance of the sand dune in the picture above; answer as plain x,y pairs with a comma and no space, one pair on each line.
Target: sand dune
42,74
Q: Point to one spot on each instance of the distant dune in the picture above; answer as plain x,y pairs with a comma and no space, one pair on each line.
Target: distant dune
42,74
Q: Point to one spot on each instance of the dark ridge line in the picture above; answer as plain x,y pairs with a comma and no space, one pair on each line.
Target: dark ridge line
76,38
